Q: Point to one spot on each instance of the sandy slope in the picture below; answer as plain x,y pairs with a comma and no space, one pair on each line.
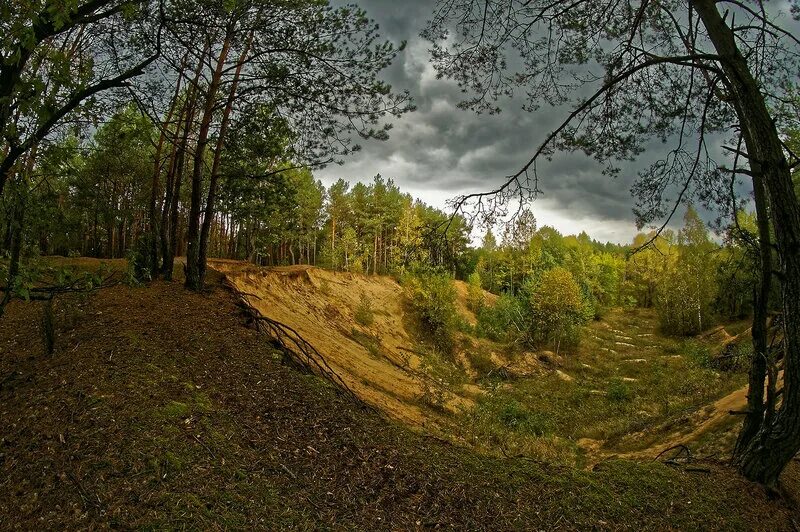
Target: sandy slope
379,362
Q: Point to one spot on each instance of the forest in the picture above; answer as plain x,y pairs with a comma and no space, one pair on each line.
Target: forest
164,162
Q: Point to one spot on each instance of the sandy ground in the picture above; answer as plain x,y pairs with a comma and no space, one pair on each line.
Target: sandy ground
380,362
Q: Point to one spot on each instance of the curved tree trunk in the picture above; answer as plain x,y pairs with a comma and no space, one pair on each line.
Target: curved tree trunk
777,442
758,366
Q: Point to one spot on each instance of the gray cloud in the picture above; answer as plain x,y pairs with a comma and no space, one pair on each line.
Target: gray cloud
440,151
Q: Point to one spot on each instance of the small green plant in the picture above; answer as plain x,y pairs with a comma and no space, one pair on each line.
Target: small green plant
518,418
364,314
141,263
619,392
502,322
371,343
433,297
698,355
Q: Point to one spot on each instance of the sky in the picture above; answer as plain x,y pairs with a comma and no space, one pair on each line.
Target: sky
440,151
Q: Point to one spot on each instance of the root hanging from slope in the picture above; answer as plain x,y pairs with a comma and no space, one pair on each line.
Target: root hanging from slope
293,343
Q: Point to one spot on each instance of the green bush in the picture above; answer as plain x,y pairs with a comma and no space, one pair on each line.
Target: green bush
364,315
480,362
504,321
141,263
433,298
619,392
697,355
475,297
519,419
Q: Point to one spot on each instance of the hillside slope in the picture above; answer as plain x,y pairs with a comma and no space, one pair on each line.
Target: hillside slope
159,408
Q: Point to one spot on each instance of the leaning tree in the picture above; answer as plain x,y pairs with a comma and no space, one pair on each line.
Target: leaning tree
711,78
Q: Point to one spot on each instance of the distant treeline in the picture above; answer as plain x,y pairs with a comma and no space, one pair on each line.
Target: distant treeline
94,196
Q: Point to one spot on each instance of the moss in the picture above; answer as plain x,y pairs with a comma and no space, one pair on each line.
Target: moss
174,409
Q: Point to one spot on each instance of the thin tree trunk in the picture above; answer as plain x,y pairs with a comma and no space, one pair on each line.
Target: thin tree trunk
212,186
171,243
193,280
157,166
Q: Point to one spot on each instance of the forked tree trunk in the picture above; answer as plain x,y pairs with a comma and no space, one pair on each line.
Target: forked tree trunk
170,238
777,442
193,280
158,165
213,182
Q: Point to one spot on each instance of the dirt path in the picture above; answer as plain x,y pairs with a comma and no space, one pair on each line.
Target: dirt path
704,421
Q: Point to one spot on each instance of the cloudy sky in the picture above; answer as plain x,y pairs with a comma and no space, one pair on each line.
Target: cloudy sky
440,151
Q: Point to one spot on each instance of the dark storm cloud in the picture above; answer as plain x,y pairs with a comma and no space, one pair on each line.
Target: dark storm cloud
440,151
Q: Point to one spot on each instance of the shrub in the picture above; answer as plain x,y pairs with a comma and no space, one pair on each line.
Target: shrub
619,392
519,419
364,314
558,310
480,362
433,298
697,355
475,297
141,263
504,321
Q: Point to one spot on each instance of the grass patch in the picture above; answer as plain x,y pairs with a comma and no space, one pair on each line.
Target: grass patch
369,342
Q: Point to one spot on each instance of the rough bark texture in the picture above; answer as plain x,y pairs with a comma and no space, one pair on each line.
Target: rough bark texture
205,230
193,280
758,367
776,443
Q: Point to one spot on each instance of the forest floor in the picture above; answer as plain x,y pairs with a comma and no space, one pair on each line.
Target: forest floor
160,408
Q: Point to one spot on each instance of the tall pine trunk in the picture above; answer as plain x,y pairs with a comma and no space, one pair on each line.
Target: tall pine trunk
170,238
193,280
213,182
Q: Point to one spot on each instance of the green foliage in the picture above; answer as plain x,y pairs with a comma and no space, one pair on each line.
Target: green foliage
698,355
686,288
433,298
140,262
475,296
558,310
518,418
481,362
618,391
505,321
364,314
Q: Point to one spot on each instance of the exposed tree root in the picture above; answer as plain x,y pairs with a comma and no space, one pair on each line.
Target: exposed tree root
293,343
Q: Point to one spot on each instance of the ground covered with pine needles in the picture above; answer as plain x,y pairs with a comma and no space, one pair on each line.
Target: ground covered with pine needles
160,408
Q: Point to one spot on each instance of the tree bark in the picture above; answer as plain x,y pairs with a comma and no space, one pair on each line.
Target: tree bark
213,182
758,366
153,229
193,280
777,442
170,240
